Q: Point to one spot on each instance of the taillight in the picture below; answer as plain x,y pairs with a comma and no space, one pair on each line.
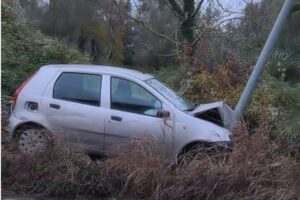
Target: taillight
19,90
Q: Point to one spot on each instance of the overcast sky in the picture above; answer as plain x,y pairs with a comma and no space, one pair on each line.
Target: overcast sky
232,5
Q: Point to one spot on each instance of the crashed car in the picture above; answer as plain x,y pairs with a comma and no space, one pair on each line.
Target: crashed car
98,107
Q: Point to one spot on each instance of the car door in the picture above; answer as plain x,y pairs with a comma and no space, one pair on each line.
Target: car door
73,109
133,113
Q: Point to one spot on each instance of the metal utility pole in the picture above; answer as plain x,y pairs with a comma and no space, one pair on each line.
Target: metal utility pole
262,59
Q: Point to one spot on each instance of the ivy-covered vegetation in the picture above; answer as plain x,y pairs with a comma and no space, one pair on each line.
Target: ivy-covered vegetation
25,49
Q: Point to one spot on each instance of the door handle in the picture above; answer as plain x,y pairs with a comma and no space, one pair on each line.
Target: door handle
55,106
116,118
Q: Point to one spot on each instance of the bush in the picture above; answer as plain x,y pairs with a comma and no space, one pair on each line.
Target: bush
257,168
284,80
171,75
24,50
286,99
225,83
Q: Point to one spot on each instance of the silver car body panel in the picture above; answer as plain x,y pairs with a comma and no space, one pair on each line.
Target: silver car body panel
92,127
225,111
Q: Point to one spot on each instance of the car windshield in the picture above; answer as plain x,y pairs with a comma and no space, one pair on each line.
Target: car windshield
172,96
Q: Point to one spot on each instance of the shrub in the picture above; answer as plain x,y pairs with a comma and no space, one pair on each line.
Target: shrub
287,98
284,80
24,50
223,83
171,75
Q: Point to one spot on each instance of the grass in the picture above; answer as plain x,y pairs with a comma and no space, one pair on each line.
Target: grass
257,168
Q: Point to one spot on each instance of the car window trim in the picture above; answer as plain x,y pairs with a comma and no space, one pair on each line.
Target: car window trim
74,101
110,82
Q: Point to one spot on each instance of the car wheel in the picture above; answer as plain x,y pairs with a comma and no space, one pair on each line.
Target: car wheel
199,151
34,140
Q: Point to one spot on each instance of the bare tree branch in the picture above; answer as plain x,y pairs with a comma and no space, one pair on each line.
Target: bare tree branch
246,2
170,7
197,8
226,20
176,8
225,9
161,35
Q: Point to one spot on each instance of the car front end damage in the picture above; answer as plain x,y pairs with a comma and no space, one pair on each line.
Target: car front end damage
218,113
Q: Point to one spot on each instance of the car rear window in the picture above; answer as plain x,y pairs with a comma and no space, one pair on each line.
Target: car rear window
78,87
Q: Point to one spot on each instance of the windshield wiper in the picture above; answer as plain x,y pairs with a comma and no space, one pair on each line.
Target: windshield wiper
193,107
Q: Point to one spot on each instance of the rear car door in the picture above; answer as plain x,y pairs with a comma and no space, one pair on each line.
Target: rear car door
73,109
133,113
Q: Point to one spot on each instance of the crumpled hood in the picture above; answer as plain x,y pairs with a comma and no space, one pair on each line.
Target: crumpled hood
225,111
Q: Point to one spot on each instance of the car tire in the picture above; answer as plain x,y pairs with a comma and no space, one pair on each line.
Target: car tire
34,140
198,151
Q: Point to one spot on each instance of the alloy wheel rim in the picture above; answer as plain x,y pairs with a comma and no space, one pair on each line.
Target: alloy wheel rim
32,141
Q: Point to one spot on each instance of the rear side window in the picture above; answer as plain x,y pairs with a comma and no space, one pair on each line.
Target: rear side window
78,87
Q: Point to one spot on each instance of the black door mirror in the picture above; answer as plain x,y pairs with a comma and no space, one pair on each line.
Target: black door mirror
163,113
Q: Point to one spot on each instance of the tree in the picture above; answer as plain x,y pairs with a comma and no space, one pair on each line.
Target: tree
150,49
185,11
96,26
24,50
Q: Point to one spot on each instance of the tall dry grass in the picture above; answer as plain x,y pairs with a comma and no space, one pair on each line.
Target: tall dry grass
258,167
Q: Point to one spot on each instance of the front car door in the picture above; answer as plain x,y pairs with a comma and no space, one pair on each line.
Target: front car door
133,113
72,105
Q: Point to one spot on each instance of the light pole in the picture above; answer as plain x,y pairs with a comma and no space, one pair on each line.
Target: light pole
262,60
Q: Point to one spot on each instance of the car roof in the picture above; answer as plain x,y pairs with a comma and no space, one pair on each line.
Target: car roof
102,69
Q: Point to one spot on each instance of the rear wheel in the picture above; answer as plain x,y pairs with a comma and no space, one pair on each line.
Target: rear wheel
33,140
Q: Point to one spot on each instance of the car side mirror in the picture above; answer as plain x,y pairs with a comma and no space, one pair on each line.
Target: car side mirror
163,113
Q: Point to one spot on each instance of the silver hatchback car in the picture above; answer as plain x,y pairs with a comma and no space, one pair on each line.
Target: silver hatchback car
98,107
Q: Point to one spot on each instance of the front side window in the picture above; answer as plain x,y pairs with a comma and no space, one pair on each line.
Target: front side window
78,87
129,96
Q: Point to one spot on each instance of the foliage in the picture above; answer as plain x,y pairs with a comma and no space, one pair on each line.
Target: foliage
284,64
213,81
285,82
186,11
150,50
171,75
288,100
96,27
24,50
224,83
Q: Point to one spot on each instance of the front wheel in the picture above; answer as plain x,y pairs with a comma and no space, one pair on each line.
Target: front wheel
34,140
198,151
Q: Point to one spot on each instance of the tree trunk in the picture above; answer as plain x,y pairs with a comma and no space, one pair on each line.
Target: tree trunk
187,26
